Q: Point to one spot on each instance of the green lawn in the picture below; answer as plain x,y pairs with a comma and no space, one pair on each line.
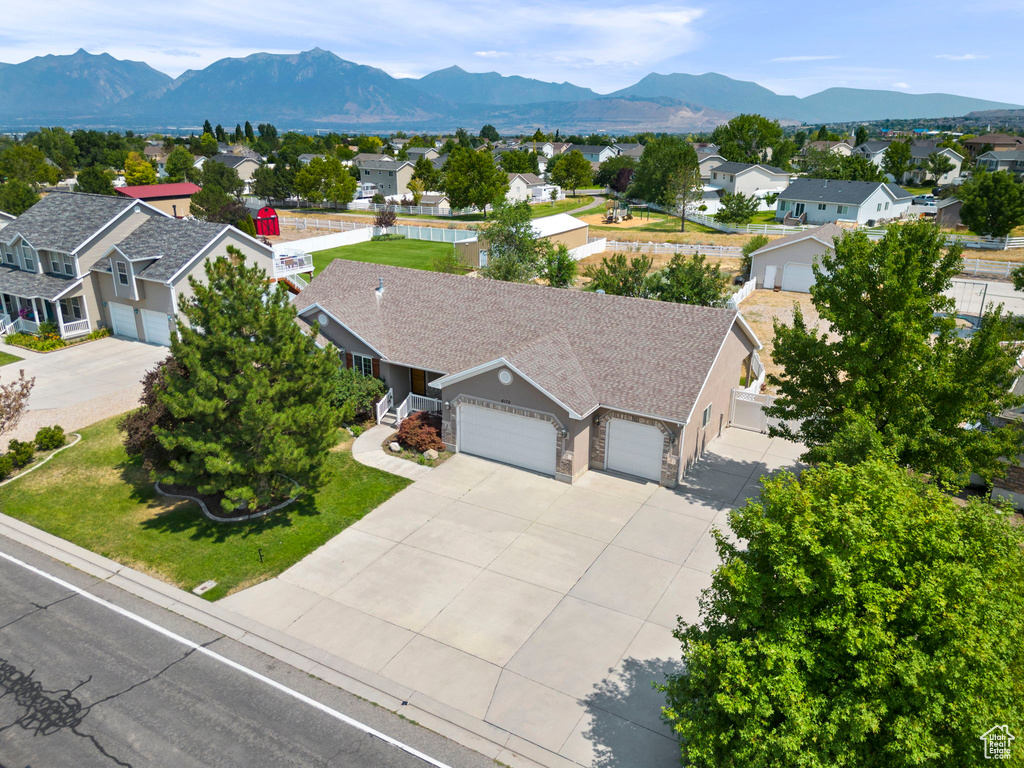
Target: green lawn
415,254
93,495
919,190
7,357
541,209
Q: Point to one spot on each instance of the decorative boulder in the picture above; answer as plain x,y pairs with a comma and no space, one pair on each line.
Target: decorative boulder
430,454
394,447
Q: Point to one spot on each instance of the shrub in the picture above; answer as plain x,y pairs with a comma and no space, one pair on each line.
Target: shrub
757,241
37,343
6,465
421,432
449,263
99,333
21,452
356,430
49,328
50,438
385,218
355,394
137,426
388,237
378,199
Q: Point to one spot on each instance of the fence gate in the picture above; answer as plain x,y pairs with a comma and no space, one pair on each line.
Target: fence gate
969,297
747,412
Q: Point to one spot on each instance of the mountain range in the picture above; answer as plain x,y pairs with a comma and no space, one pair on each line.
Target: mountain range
318,89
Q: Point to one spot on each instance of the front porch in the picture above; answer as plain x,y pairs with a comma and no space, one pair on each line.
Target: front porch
22,314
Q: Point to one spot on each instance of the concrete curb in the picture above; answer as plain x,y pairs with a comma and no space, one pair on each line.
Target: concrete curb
489,740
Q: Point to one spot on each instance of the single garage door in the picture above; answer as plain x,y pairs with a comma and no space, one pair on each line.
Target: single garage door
797,277
634,449
122,317
506,437
158,330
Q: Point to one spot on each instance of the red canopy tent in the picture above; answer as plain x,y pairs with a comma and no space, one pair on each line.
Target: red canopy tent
266,222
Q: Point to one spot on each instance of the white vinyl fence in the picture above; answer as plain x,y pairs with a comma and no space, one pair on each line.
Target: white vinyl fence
594,245
747,412
684,248
434,234
742,293
332,225
323,242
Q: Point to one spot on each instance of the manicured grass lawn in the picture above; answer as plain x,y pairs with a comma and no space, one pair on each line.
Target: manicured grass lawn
93,495
919,190
7,357
415,254
538,210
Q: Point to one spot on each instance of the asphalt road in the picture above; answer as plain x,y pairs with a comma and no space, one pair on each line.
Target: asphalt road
83,686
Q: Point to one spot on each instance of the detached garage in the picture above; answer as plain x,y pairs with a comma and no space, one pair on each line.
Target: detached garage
786,262
507,437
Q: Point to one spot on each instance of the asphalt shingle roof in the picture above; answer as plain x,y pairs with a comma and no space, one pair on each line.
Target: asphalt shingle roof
827,232
589,149
584,348
231,161
173,242
62,221
838,192
32,285
740,167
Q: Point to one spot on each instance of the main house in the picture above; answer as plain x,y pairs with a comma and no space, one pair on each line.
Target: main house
552,380
750,179
1011,160
89,261
821,201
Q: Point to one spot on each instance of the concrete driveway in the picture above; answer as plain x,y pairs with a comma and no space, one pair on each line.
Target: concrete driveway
543,609
80,385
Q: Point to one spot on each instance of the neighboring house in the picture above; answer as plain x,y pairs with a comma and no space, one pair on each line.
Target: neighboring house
841,148
391,177
558,147
306,158
553,381
708,161
999,142
173,199
919,154
435,201
820,201
1011,160
245,167
560,229
630,150
752,180
397,144
527,187
415,153
5,219
244,151
439,161
371,157
786,262
595,153
158,156
90,261
871,150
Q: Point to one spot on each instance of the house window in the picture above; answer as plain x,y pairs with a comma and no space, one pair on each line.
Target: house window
784,205
9,255
55,265
706,418
879,207
71,308
714,175
822,207
27,258
363,364
69,265
842,209
122,273
887,206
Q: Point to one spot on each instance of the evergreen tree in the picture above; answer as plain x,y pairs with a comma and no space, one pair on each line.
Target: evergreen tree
95,180
861,135
207,128
249,135
237,137
249,418
737,208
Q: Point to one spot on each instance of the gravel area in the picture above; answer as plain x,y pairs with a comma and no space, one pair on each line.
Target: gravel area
76,416
762,307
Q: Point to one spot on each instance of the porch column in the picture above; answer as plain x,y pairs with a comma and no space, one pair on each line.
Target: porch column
37,303
60,316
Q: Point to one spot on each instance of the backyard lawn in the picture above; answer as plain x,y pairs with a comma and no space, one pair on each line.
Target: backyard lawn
415,254
538,210
7,357
93,495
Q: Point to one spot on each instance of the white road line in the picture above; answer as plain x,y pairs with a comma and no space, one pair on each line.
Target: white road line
228,662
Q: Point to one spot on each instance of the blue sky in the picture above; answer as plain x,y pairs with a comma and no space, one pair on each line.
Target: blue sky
963,47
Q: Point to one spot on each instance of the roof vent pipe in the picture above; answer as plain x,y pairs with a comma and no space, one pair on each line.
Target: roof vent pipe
599,290
380,285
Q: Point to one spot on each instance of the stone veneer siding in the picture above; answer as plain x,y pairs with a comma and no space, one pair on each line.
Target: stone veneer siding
563,456
669,458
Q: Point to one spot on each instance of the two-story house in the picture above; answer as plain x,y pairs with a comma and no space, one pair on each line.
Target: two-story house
1011,160
595,153
752,180
822,201
390,177
88,261
920,152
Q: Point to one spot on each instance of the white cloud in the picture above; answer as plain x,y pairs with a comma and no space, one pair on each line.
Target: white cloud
788,59
901,86
491,54
960,57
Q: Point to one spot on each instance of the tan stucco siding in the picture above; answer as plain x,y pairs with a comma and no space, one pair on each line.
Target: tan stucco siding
717,392
807,251
173,206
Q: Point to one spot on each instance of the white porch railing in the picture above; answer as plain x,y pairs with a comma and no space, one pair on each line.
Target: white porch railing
74,328
6,325
384,405
292,263
421,403
24,325
402,412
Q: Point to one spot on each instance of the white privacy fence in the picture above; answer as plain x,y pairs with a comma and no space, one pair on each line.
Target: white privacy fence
594,245
434,234
747,289
747,411
684,248
323,242
331,225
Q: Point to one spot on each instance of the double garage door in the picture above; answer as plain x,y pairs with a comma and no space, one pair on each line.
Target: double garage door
154,324
507,437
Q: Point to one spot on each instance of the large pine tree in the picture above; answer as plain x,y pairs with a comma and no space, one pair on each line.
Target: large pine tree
251,416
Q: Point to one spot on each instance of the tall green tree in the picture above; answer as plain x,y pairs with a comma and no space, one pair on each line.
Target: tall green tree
690,280
867,619
514,250
179,165
472,179
26,163
737,208
59,146
608,172
993,203
325,179
860,135
558,267
668,175
17,196
821,164
249,417
95,180
249,135
138,171
222,176
747,138
896,159
516,161
275,183
207,145
618,275
892,370
572,171
938,165
490,133
424,171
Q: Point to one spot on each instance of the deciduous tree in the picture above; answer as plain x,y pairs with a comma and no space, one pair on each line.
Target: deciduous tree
14,400
558,267
572,171
896,159
138,171
866,619
249,417
609,172
490,133
425,171
17,196
26,163
747,138
689,280
668,175
938,165
325,179
892,370
179,165
619,276
472,179
514,250
993,203
95,180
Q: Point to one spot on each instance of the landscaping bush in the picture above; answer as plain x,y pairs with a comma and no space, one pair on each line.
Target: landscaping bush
50,438
356,430
355,394
49,328
21,452
421,432
6,465
99,333
137,426
37,343
378,238
386,217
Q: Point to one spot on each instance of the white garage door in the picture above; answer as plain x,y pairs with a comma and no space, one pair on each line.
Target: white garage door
798,277
634,449
158,330
506,437
122,317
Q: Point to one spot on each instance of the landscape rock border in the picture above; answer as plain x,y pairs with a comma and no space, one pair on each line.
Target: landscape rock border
210,516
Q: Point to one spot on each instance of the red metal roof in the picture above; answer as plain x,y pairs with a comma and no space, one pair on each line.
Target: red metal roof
150,191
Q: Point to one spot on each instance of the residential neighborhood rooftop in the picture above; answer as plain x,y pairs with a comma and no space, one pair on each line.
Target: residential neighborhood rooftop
173,242
153,191
62,221
741,167
836,191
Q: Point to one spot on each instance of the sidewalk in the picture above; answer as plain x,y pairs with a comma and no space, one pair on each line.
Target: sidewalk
366,450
